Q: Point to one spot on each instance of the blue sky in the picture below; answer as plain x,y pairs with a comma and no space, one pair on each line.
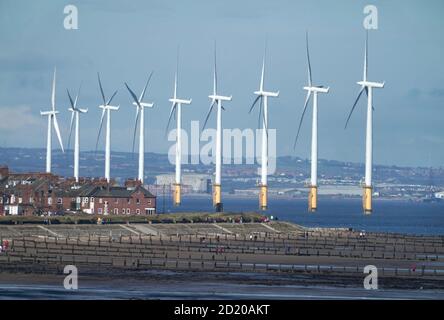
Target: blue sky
124,41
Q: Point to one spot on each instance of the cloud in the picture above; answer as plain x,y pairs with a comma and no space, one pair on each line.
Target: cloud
18,118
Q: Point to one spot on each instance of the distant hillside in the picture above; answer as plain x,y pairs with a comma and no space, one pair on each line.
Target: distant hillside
124,165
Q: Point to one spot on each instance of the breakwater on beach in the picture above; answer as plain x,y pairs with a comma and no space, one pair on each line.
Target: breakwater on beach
325,255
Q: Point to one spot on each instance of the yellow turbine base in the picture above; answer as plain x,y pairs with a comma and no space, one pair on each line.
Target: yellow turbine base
367,200
177,194
313,199
263,197
217,198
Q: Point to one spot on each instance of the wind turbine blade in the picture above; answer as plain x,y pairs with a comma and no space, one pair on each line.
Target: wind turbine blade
135,128
101,89
366,57
53,90
254,103
173,108
111,99
70,100
354,105
175,85
307,99
366,93
215,72
134,97
57,130
100,128
260,114
261,87
208,114
70,129
77,96
146,85
308,60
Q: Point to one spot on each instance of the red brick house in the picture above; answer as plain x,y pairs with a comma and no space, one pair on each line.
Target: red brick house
123,200
28,194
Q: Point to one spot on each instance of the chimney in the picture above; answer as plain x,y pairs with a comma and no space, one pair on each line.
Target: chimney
4,172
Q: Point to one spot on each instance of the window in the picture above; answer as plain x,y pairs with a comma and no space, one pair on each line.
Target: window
85,199
149,201
138,201
138,211
129,201
20,200
116,211
123,210
49,201
99,211
59,200
128,211
92,200
100,200
31,200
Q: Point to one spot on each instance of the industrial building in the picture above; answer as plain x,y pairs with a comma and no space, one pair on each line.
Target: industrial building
197,183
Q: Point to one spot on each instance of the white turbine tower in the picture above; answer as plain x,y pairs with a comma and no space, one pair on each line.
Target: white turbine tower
312,89
75,114
106,108
263,109
176,109
140,117
367,86
217,201
52,119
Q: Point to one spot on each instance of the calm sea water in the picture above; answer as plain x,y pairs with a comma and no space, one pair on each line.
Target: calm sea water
388,216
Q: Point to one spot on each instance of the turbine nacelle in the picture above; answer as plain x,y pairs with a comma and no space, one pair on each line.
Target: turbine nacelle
78,110
112,108
181,101
47,113
143,104
266,93
317,89
371,84
215,97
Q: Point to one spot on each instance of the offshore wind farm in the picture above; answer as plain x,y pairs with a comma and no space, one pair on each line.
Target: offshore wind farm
216,104
181,180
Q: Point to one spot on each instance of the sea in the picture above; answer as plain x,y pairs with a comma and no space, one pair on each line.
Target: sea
396,216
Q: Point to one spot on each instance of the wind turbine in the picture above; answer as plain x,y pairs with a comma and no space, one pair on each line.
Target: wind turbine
367,86
176,109
263,110
312,89
140,106
75,112
215,97
52,119
106,108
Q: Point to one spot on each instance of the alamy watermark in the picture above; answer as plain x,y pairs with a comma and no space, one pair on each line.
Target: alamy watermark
71,21
71,281
371,18
371,280
238,146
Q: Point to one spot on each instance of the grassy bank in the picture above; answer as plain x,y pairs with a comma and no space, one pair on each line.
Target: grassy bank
189,217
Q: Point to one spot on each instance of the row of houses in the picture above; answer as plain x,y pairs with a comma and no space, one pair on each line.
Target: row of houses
48,194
